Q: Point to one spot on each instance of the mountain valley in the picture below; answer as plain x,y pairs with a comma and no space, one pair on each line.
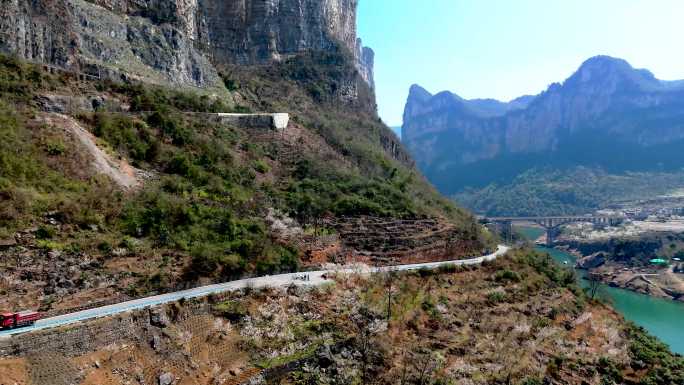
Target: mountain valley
155,148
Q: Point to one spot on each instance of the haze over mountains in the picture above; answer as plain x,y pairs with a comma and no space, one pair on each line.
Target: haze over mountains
607,115
397,130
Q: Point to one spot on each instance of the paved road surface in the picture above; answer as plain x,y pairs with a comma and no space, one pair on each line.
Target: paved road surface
282,280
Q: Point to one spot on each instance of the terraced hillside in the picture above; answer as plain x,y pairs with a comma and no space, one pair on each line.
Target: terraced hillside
392,241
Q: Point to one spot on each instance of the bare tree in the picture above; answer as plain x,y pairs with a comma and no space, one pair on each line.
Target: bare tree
594,285
363,321
389,282
404,369
426,365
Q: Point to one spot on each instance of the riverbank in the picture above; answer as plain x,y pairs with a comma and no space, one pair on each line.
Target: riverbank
661,317
656,282
626,264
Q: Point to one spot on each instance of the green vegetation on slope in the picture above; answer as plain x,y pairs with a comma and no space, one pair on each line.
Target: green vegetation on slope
34,161
212,183
310,87
580,190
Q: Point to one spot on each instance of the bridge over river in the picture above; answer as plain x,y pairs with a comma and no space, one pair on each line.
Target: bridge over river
552,225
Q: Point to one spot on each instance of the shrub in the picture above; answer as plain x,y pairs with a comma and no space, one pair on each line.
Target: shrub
45,232
610,374
128,135
232,310
16,155
545,265
647,348
277,259
55,148
50,245
448,269
105,247
346,194
496,297
214,260
231,84
261,166
180,164
507,275
531,381
171,126
145,98
428,305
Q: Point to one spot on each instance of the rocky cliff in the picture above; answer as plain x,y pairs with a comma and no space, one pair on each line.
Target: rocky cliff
178,41
605,110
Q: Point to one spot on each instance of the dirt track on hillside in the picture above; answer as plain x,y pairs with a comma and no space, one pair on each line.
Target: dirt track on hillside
123,174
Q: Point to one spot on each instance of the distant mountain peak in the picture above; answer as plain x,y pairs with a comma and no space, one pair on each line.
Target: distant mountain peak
602,70
600,116
419,93
605,60
603,66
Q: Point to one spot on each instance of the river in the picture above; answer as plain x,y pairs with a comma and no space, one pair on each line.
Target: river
662,318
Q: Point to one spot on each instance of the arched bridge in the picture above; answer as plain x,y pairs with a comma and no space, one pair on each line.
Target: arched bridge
552,224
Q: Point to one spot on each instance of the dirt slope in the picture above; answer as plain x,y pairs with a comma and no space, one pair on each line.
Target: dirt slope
119,170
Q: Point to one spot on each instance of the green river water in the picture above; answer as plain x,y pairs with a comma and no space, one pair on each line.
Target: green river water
662,318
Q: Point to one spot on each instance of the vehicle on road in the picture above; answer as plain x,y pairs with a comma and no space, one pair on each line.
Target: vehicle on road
16,320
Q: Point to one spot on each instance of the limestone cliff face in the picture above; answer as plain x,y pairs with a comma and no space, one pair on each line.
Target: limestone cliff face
365,62
256,31
607,114
176,41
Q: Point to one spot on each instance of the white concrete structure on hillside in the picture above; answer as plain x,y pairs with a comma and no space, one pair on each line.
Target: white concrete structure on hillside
277,121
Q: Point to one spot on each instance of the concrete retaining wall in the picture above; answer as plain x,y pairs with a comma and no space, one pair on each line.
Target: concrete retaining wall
77,340
278,121
87,337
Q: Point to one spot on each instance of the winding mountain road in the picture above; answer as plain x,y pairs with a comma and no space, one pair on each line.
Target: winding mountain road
311,278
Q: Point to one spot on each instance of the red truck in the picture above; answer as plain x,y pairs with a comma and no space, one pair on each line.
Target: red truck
22,318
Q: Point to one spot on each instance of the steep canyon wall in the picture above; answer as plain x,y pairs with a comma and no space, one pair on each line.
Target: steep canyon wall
176,41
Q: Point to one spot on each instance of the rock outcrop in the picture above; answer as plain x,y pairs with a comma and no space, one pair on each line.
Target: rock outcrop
176,41
605,110
365,63
592,261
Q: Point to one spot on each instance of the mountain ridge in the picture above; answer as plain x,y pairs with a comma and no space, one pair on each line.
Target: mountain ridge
603,110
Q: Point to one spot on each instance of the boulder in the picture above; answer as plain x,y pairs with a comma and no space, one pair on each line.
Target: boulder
166,378
54,254
159,318
156,343
325,357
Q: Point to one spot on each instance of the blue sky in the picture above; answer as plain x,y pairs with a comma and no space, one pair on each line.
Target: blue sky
507,48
